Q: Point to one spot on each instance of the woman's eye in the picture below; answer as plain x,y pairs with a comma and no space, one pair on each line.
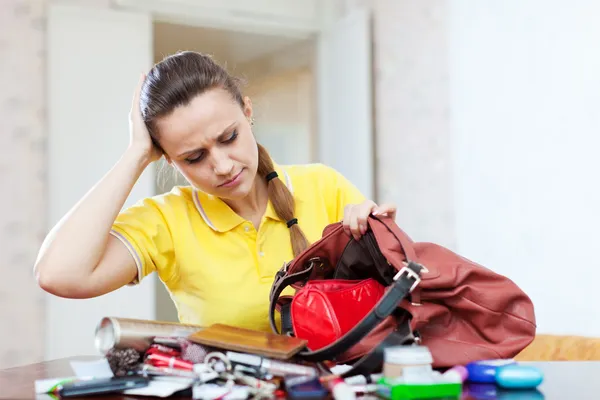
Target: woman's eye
231,137
193,159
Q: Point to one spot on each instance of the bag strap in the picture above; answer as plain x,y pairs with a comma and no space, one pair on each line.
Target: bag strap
404,282
282,281
372,361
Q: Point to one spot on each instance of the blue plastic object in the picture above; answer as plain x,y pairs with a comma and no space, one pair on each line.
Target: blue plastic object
485,371
517,376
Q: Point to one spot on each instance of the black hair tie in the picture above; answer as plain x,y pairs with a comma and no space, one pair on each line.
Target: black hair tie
291,222
271,175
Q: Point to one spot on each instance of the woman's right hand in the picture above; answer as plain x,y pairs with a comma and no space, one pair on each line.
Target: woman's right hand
139,137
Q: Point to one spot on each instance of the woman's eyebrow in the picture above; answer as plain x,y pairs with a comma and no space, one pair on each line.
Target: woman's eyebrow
220,137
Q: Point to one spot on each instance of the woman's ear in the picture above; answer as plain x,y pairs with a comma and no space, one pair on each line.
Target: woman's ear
248,107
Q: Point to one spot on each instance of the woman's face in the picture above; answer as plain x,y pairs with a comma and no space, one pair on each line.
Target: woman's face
211,143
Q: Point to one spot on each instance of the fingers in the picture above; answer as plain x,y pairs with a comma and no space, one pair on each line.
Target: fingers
355,218
387,209
346,219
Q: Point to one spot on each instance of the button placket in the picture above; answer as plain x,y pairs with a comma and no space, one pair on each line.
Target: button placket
260,241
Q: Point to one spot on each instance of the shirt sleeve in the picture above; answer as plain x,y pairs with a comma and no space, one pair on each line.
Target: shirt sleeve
341,192
143,229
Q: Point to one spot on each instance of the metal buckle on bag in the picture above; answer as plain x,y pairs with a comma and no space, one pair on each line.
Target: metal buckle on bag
410,274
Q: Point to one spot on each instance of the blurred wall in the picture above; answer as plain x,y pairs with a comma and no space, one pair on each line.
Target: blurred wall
412,131
284,115
525,95
487,139
23,209
22,178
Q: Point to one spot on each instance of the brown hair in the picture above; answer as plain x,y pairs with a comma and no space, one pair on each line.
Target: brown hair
174,82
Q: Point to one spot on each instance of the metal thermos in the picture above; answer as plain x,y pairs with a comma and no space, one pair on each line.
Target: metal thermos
114,332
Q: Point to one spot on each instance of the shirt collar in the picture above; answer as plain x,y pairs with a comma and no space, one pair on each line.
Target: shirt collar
220,217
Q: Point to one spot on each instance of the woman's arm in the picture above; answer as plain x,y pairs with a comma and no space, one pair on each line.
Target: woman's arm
79,258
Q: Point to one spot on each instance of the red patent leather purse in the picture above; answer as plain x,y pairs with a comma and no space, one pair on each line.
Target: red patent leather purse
325,310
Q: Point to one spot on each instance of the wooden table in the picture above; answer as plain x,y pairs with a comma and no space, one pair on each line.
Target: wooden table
562,380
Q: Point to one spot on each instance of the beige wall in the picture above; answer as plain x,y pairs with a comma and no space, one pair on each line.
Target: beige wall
284,115
412,125
22,178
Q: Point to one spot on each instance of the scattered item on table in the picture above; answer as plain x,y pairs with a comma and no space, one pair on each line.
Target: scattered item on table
193,352
165,350
92,369
52,385
484,371
303,387
113,384
151,370
339,388
364,389
218,361
517,376
82,371
400,361
491,391
505,373
123,361
248,341
458,373
163,386
213,391
161,360
189,350
159,355
205,372
273,367
400,389
408,374
113,332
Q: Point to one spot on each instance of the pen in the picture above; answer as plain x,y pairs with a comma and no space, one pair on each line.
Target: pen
148,369
273,367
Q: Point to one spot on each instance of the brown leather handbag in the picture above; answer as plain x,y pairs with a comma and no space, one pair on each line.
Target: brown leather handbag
460,310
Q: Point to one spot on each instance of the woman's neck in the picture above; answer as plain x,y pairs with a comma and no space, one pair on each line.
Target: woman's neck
253,206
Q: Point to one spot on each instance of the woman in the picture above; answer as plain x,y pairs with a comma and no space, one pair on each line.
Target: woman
217,243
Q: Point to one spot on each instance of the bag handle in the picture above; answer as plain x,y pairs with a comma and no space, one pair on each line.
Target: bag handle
405,242
282,281
405,281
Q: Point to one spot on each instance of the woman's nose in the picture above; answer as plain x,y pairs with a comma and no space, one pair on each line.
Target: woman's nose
222,165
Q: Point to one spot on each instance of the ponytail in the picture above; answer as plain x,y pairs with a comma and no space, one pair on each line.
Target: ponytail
282,200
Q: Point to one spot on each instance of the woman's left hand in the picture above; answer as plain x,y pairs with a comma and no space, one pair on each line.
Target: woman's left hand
355,216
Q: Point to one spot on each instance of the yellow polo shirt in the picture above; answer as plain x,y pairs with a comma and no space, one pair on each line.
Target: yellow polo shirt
217,267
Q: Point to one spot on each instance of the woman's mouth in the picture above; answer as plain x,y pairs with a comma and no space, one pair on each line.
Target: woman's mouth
233,181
